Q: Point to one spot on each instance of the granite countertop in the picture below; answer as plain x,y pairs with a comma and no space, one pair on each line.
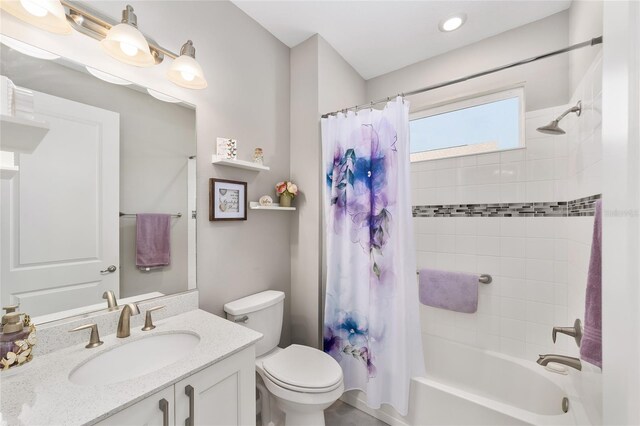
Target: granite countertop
40,393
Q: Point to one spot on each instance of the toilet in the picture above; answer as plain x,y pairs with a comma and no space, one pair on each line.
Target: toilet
301,381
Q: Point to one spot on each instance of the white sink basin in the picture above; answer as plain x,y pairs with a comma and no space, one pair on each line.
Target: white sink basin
134,359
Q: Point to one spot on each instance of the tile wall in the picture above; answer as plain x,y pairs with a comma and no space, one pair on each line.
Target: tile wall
539,264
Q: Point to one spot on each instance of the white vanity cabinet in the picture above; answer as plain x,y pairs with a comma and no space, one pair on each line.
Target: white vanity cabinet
221,394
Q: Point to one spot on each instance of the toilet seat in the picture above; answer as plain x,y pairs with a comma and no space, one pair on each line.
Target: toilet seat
303,369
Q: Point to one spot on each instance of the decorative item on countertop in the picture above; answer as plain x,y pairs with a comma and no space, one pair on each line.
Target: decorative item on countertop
286,191
258,156
17,340
227,149
265,200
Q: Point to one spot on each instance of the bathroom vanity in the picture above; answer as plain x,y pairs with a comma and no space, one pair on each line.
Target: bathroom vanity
193,368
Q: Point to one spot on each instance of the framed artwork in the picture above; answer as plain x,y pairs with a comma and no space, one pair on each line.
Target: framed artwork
227,200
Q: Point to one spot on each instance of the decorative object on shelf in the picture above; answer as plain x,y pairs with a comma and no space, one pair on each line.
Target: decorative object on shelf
258,156
265,200
227,149
286,191
227,200
17,352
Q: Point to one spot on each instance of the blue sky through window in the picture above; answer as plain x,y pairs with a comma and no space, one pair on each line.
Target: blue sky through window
491,122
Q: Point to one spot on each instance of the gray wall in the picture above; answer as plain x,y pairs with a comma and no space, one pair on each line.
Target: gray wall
156,138
321,80
585,22
546,81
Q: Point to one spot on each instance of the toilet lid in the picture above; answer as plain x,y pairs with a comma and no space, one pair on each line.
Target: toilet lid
303,367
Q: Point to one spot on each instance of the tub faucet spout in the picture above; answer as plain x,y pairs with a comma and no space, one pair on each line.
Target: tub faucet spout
560,359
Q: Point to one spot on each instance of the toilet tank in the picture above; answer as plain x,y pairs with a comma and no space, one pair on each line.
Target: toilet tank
264,312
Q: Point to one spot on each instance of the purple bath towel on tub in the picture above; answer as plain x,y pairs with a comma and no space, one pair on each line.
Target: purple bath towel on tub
152,240
591,345
454,291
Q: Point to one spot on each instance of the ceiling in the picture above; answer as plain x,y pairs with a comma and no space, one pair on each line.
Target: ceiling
377,37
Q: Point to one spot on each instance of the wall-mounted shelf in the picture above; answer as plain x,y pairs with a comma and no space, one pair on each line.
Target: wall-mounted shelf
240,164
7,172
254,205
21,134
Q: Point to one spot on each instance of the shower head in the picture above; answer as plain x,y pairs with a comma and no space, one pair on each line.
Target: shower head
553,128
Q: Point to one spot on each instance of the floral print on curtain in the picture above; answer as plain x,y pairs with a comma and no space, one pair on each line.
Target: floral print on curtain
371,322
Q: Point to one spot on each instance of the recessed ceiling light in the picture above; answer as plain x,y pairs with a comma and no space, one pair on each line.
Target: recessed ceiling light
453,22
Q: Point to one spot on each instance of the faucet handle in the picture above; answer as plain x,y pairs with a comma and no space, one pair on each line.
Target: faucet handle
94,339
148,321
575,331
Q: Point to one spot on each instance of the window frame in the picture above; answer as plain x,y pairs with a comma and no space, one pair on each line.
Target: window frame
464,103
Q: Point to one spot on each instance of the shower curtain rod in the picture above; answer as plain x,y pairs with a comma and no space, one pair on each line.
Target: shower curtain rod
592,42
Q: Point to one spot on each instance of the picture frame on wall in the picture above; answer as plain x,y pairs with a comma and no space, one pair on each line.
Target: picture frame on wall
227,200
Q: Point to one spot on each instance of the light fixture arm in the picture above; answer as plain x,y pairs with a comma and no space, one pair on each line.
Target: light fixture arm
96,25
128,17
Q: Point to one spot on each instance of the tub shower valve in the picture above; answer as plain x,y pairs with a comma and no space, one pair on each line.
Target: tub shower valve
575,332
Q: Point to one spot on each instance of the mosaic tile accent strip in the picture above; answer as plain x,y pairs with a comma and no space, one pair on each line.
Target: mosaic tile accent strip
580,207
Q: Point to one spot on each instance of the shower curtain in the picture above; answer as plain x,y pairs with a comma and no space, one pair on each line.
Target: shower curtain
371,324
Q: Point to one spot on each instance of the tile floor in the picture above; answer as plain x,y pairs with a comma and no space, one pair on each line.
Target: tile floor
341,414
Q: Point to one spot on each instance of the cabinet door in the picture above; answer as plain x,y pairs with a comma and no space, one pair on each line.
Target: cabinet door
147,412
220,395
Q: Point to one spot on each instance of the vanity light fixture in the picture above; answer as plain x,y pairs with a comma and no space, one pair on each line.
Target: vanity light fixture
185,71
126,43
27,49
452,23
107,77
162,97
47,15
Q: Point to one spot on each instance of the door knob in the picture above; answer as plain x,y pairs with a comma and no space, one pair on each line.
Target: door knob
110,269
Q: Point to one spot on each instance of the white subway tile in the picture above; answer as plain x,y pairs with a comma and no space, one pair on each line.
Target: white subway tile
488,245
512,267
513,247
540,270
492,158
513,155
489,226
513,172
540,248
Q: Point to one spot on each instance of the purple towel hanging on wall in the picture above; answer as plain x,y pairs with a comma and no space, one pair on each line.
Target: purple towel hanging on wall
591,345
153,247
454,291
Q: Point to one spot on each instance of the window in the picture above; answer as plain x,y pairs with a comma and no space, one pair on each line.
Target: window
492,122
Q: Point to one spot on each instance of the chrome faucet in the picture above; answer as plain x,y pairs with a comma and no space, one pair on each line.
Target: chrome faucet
124,325
112,303
560,359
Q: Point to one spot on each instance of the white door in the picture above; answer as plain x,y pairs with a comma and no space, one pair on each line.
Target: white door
155,410
59,214
221,395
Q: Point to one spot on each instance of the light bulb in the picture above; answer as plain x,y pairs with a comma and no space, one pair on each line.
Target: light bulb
189,76
33,8
452,23
128,49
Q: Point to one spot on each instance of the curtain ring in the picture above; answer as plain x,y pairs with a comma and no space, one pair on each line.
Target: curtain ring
356,110
371,106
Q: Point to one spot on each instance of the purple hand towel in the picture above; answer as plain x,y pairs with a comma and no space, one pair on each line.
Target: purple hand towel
153,246
591,345
454,291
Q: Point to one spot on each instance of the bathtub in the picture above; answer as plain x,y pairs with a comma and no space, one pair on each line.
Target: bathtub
469,386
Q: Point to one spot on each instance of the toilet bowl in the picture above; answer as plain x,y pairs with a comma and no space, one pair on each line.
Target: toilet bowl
300,381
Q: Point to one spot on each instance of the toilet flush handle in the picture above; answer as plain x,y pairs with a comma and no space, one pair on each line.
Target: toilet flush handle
243,319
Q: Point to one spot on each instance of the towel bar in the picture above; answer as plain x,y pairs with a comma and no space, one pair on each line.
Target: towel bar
484,278
134,215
